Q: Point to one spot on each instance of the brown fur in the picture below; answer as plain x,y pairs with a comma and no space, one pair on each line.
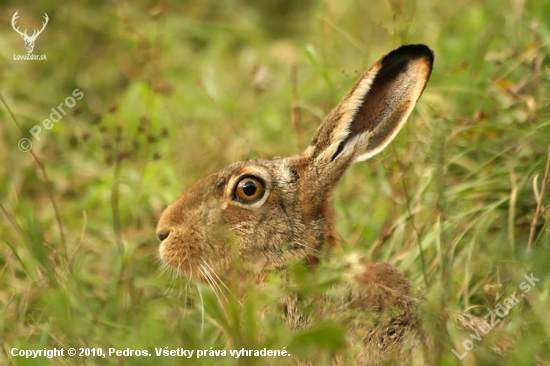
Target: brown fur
208,226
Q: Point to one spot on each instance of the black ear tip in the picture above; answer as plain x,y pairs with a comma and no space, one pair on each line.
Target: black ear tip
413,51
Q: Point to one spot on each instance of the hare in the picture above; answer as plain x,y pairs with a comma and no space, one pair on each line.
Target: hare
279,211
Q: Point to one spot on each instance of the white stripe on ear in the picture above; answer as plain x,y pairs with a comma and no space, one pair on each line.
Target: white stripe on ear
339,120
369,117
356,100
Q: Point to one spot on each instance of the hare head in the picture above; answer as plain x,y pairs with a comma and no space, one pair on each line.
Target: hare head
269,213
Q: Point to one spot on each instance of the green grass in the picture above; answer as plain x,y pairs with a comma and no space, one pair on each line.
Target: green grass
174,91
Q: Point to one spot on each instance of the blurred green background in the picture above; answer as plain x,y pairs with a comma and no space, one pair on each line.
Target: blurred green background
174,90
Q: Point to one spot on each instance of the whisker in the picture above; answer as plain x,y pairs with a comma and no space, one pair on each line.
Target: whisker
202,311
179,272
162,269
213,285
209,279
174,276
188,285
316,251
180,289
220,281
171,274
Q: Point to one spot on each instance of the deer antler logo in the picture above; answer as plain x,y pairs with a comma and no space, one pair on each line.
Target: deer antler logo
29,41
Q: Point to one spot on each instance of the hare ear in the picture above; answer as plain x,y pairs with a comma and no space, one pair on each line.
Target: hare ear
369,117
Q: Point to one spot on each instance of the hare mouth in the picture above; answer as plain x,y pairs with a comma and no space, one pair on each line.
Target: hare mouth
182,259
187,268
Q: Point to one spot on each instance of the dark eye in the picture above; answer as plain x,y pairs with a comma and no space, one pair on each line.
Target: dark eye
249,190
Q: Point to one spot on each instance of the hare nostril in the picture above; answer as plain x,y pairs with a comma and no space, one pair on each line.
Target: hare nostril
162,236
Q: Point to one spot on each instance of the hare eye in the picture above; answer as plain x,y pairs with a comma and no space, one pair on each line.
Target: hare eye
249,190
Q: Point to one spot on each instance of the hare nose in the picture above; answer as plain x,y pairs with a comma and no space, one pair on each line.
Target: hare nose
163,235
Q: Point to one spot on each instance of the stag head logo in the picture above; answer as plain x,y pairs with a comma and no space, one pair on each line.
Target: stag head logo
29,40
